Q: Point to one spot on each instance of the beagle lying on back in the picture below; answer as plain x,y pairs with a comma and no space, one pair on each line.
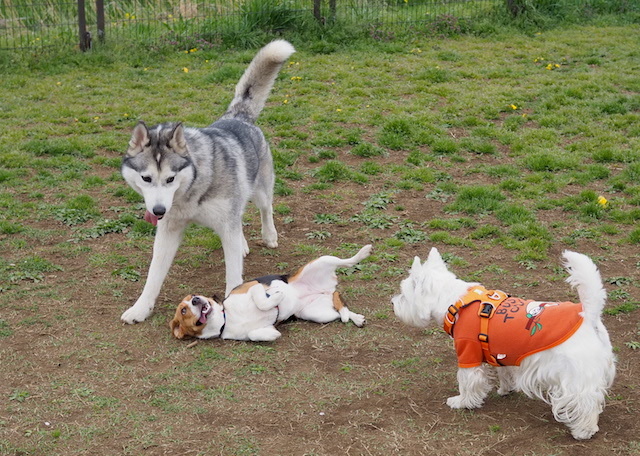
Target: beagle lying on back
251,310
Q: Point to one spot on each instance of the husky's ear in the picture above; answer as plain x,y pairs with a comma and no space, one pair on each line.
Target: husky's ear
435,260
177,141
139,139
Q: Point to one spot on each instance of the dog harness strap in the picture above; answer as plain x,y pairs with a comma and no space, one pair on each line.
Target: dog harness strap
489,300
476,293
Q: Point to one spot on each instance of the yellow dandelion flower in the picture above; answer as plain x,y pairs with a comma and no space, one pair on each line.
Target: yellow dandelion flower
58,83
285,101
338,110
557,65
185,69
602,201
512,106
549,67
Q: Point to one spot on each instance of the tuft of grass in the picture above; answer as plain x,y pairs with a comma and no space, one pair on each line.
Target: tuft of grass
477,199
32,268
335,170
368,150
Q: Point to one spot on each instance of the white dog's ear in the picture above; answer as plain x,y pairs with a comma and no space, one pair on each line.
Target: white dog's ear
435,260
177,141
416,266
139,139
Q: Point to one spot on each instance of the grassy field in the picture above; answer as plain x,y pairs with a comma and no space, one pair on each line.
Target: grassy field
502,151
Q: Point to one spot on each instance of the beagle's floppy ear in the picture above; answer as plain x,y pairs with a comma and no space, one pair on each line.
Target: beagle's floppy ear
176,329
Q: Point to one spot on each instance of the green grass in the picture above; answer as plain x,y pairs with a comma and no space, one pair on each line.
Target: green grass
405,143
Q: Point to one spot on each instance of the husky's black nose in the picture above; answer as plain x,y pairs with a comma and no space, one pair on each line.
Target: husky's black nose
159,211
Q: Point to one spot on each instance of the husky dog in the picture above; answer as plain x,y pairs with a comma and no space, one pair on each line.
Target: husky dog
251,311
207,176
557,352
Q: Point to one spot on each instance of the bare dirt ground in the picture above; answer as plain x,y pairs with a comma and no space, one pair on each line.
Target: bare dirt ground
76,380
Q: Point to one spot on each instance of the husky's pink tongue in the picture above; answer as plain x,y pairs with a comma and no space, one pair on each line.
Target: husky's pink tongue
149,217
203,318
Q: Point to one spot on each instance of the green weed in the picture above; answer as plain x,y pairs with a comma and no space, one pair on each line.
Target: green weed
477,199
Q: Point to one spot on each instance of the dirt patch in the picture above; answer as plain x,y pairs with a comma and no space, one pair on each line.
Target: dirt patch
80,382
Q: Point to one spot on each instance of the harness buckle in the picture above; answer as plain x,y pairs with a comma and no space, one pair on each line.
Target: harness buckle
486,310
482,337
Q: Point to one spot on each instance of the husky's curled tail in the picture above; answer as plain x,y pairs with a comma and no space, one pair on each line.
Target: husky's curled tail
207,176
255,84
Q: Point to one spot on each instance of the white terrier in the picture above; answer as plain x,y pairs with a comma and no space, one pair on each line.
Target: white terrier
570,368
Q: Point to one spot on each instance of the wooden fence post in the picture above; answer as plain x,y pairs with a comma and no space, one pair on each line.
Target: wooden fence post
100,19
316,10
83,35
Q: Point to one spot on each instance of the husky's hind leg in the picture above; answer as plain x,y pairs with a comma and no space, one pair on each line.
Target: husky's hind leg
263,199
165,246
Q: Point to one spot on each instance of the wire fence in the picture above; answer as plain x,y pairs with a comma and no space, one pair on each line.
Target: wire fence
28,24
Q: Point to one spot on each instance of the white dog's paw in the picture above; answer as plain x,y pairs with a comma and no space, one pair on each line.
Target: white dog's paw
245,248
136,313
358,319
459,402
505,390
584,434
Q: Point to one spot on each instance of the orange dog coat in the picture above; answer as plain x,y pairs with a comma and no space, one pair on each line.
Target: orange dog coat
490,326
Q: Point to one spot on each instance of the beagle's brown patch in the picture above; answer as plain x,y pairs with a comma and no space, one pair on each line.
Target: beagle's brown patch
338,303
244,288
184,322
295,276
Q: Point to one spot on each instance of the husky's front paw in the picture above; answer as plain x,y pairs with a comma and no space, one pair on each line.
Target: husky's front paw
136,313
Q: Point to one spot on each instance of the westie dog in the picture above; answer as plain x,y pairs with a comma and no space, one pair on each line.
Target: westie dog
557,352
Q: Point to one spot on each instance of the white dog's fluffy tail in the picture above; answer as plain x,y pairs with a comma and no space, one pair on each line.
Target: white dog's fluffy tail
585,277
255,84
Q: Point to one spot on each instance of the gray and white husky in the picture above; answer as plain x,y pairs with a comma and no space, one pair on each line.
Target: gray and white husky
207,176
